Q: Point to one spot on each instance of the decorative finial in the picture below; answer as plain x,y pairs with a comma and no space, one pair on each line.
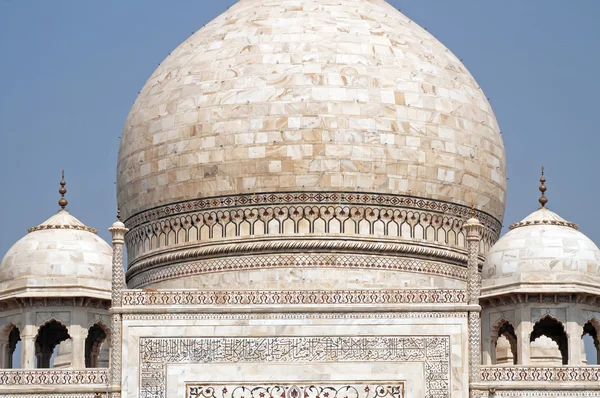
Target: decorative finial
473,210
543,199
118,214
62,191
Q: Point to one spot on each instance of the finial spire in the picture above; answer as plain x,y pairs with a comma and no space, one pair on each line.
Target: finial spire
118,214
543,199
62,191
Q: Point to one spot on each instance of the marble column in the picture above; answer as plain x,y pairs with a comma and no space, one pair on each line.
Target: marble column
473,229
118,232
78,335
524,329
574,336
28,335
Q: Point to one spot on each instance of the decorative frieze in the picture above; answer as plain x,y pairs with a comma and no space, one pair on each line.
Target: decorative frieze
308,198
304,214
379,390
293,315
432,352
192,297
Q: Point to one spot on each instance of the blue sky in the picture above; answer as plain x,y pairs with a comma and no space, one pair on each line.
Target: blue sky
71,70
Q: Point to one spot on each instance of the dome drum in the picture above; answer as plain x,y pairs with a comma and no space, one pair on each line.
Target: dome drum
345,223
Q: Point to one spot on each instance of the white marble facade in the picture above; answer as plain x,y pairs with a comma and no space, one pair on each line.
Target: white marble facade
312,196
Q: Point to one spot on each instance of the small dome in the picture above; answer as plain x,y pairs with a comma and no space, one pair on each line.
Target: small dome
543,253
62,257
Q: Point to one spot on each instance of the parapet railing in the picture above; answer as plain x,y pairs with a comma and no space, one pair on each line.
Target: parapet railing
540,374
50,377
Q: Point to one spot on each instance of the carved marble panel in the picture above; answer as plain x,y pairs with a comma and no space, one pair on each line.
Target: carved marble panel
433,353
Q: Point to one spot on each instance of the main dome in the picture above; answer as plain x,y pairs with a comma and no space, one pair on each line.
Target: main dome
315,95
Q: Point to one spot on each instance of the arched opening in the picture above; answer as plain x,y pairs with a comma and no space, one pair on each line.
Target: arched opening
555,331
591,344
96,346
50,336
506,344
12,347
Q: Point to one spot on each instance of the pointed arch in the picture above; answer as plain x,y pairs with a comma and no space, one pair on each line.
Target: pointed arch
592,329
503,328
95,343
50,334
10,337
553,328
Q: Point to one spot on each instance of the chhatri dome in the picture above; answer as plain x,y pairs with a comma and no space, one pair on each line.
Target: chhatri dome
543,254
292,104
61,257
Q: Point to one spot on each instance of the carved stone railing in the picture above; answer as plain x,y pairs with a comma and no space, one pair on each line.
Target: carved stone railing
423,296
48,377
558,374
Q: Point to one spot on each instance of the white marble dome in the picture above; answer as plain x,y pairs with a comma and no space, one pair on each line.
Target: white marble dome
311,95
545,254
59,258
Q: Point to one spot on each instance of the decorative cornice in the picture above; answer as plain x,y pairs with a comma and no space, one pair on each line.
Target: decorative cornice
539,298
335,198
28,302
192,298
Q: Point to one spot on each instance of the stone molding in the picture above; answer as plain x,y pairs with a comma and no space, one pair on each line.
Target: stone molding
149,271
330,390
534,374
192,298
288,214
155,353
46,377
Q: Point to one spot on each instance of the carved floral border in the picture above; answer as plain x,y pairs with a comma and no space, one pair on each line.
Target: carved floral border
370,390
423,296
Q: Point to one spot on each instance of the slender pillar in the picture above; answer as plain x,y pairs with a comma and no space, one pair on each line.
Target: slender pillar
473,229
118,232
